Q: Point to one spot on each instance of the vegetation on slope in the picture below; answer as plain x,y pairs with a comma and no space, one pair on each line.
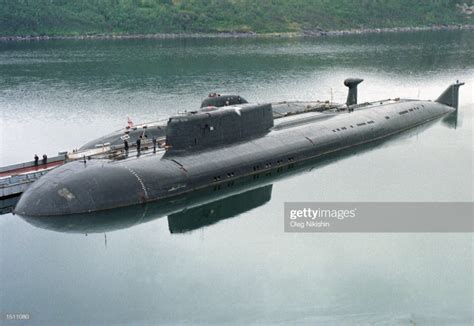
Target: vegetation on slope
80,17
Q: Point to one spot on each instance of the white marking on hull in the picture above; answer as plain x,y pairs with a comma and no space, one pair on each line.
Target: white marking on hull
139,181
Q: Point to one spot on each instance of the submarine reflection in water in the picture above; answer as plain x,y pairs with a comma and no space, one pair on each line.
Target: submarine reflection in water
204,207
451,120
189,213
211,213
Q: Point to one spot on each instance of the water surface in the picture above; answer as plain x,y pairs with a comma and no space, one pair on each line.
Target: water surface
227,260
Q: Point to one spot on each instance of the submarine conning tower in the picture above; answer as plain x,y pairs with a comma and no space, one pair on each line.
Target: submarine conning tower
218,100
352,84
199,130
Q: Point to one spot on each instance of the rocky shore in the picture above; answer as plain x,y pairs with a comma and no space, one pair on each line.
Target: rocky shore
318,32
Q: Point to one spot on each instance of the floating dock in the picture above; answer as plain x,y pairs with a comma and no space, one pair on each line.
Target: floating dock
14,179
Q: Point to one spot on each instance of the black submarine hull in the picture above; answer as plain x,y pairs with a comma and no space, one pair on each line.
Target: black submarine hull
215,158
212,204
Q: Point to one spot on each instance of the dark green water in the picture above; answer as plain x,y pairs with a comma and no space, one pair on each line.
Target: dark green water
227,259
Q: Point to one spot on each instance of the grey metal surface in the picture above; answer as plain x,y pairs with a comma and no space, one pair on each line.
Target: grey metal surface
102,184
227,125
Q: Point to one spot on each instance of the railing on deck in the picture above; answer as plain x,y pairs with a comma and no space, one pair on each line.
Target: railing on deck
13,167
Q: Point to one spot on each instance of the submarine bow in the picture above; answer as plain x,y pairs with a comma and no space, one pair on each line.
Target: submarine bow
80,188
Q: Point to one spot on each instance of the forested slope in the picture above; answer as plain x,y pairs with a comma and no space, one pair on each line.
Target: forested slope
81,17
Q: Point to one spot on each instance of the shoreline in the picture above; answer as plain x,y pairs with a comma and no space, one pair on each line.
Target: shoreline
318,32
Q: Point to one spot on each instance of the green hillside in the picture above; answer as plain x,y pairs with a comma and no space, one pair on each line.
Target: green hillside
79,17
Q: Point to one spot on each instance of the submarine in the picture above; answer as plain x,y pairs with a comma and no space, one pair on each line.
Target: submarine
208,206
214,148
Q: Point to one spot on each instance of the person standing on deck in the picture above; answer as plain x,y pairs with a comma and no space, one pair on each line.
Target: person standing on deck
154,144
36,160
45,159
125,145
145,140
139,143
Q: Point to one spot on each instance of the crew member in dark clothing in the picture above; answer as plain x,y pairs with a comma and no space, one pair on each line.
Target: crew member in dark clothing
154,144
139,144
45,159
145,140
125,145
36,160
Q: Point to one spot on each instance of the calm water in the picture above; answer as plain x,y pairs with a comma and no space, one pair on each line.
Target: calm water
227,259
